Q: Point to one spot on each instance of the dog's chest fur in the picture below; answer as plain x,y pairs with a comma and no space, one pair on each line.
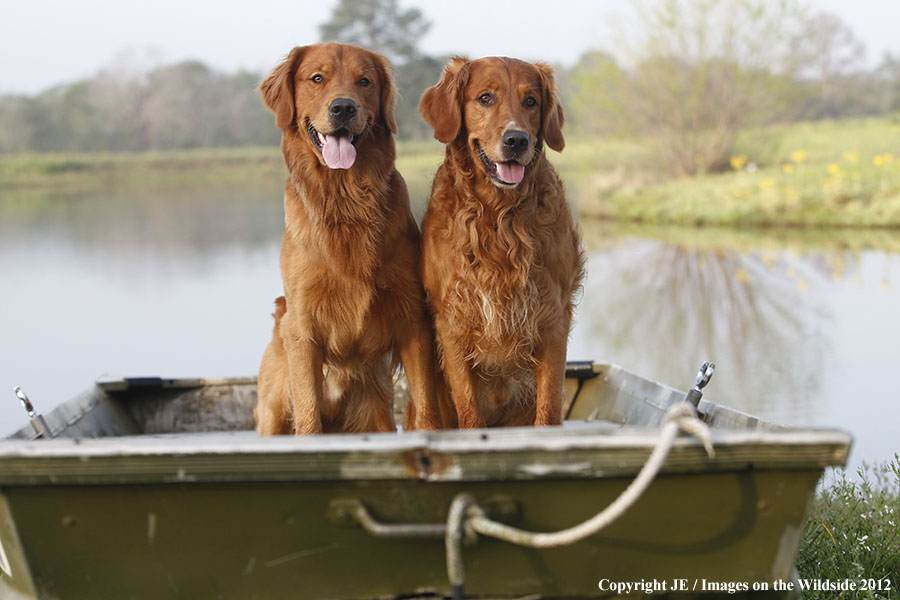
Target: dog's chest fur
496,292
340,256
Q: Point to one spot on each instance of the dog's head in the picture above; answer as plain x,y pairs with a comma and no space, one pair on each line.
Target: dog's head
503,109
336,94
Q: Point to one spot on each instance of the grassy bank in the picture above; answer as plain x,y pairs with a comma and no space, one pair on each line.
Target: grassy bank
87,171
822,174
853,532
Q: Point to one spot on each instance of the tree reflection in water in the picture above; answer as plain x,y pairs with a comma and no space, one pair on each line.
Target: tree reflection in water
661,307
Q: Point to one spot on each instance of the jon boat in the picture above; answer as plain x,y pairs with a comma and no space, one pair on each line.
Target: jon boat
158,488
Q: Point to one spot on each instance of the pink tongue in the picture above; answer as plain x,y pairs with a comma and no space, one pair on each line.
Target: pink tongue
338,152
511,172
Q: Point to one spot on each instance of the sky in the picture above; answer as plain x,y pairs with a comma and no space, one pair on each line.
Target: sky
47,42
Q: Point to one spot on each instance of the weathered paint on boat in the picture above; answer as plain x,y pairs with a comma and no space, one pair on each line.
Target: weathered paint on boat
155,489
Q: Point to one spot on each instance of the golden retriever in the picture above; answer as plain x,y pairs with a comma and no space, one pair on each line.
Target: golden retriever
501,258
353,301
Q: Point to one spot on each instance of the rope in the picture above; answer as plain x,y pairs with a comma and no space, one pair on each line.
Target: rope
456,526
465,517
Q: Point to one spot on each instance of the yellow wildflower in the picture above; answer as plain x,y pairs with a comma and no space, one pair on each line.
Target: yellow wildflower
879,160
798,156
789,168
851,157
767,183
834,169
738,162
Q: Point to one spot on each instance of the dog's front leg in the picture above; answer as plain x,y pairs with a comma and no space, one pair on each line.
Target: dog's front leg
461,380
549,376
305,366
417,356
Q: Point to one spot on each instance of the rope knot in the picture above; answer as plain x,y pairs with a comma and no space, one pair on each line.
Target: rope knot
685,417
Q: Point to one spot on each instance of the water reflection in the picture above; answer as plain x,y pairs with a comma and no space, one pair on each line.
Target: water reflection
662,307
200,219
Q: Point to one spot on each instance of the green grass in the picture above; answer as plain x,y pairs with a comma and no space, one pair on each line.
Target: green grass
853,531
822,174
86,171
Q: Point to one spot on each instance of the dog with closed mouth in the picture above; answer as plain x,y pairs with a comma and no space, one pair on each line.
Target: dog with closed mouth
353,303
501,258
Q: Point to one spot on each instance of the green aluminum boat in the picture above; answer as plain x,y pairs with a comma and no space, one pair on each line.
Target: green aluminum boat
159,488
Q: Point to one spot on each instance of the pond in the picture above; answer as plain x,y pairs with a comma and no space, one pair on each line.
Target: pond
803,326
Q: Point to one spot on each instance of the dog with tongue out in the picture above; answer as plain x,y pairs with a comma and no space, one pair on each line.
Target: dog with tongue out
501,256
353,306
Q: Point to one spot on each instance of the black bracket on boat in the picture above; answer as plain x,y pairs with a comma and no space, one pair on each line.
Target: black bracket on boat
37,421
703,376
581,371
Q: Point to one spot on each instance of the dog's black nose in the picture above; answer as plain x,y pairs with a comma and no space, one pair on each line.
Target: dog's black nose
515,141
342,109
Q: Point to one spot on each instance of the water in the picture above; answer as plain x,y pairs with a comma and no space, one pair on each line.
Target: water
180,282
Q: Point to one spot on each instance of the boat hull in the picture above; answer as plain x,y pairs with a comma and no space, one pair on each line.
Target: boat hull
231,515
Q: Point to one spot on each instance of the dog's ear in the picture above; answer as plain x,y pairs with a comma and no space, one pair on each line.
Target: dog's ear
552,116
388,91
441,104
278,88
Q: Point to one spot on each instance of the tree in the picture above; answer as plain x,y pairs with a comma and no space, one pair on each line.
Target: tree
15,134
830,54
380,25
702,70
592,91
412,79
183,106
889,73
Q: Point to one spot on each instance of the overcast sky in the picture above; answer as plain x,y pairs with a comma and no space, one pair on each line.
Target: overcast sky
47,42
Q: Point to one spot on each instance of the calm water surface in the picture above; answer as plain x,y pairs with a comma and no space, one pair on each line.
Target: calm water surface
804,327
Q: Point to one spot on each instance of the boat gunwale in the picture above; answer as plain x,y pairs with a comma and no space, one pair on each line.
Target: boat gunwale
476,455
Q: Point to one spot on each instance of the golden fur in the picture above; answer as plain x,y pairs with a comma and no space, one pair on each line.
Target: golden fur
501,258
353,302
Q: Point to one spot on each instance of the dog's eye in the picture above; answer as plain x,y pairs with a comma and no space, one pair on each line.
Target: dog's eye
486,99
317,78
364,82
530,102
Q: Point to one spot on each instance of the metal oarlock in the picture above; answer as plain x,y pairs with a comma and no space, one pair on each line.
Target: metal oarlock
37,421
703,376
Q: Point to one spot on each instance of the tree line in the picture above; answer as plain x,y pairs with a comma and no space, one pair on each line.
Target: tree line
184,105
700,72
